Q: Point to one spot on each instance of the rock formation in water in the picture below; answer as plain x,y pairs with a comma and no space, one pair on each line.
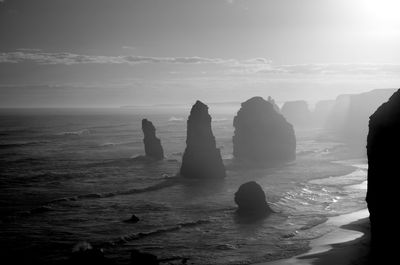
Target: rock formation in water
262,135
383,147
152,145
251,200
134,219
297,112
322,110
201,158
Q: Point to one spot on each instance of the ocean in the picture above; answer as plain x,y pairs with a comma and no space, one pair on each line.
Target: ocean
69,175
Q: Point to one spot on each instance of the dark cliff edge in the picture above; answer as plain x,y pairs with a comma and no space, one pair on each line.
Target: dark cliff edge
383,147
262,136
201,159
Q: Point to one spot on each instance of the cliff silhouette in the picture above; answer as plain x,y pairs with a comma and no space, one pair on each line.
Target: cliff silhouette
383,145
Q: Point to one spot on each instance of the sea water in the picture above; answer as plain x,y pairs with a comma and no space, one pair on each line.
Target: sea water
71,175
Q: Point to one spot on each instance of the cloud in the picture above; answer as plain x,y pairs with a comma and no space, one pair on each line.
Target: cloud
345,69
260,66
66,58
129,47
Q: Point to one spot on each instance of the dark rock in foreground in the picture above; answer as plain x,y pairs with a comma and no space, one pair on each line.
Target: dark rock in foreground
262,135
152,145
383,150
134,219
201,158
251,200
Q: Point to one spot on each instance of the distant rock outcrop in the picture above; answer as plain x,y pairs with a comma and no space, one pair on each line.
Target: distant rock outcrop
321,112
152,145
201,158
383,148
297,112
262,135
251,200
349,115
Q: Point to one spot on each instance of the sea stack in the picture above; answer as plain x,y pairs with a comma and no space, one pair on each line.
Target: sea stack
262,135
383,147
251,200
297,112
152,145
201,158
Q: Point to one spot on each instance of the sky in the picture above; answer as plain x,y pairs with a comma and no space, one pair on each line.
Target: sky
111,53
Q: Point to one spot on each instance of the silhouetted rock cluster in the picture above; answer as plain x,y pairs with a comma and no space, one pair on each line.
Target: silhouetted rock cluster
201,158
383,150
297,112
262,135
251,200
152,145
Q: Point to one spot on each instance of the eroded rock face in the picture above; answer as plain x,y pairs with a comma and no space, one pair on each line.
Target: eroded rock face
297,112
251,200
152,145
201,158
262,135
383,147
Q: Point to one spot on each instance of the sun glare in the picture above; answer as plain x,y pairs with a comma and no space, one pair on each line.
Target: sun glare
382,12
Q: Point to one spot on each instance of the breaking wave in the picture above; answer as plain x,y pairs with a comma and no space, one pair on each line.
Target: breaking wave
75,133
136,236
